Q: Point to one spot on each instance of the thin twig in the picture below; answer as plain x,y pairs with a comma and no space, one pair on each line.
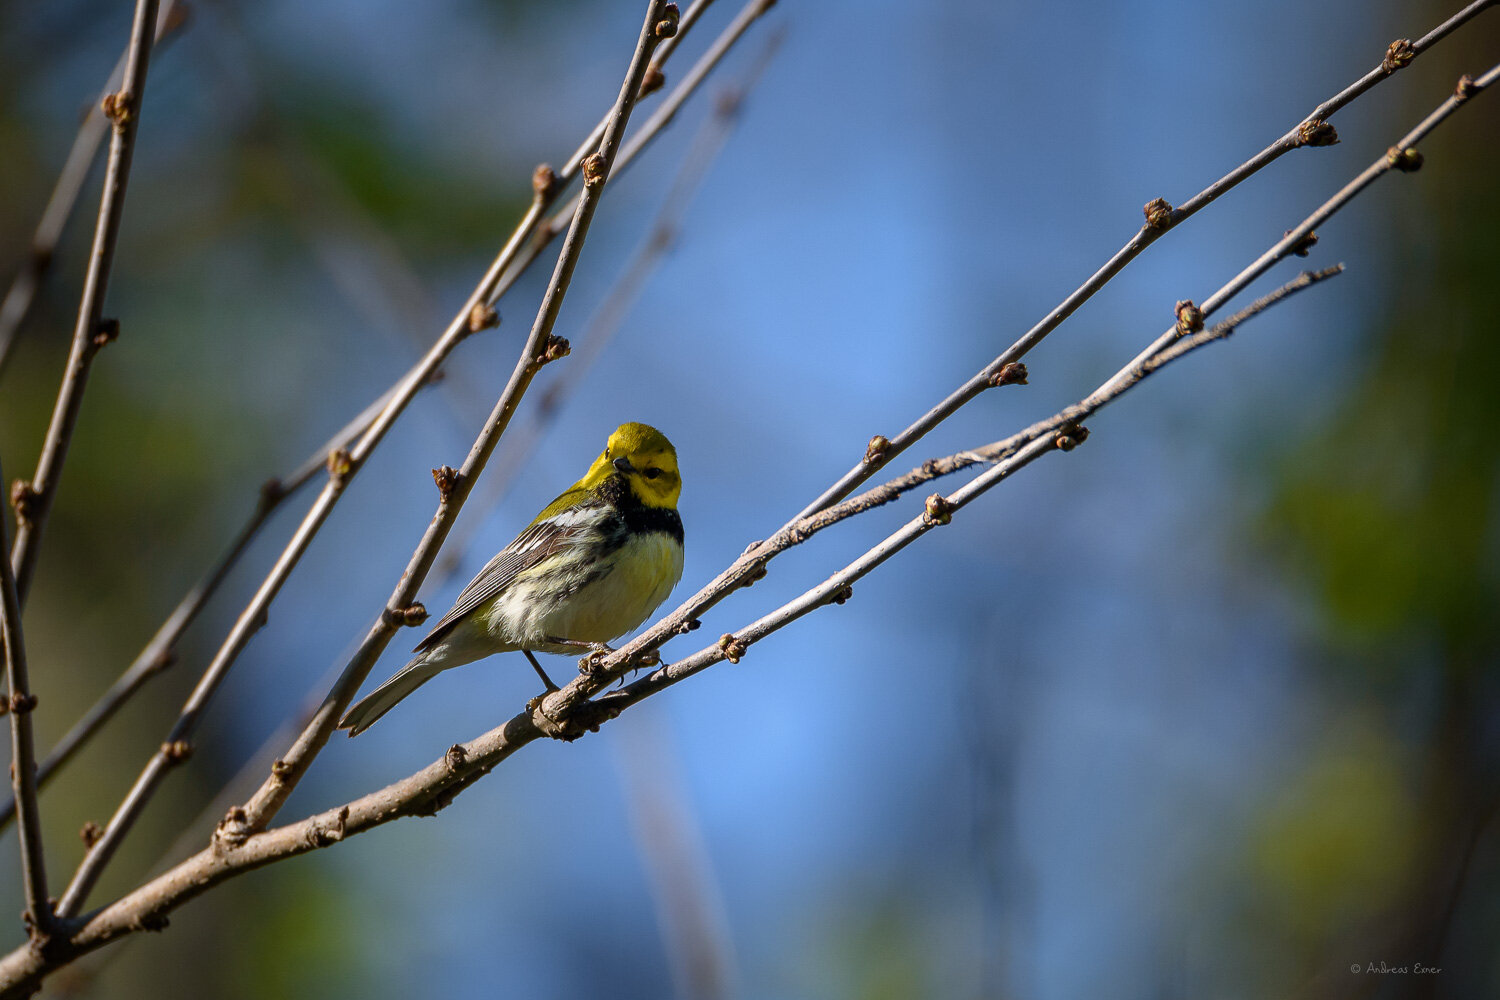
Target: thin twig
936,468
65,192
33,500
1062,432
995,373
160,652
38,915
344,465
1313,130
660,239
659,120
1017,450
164,642
436,785
454,487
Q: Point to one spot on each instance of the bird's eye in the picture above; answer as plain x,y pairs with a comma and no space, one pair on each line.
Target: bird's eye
652,472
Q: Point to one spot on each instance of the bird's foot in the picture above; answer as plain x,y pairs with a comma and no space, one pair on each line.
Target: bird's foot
591,663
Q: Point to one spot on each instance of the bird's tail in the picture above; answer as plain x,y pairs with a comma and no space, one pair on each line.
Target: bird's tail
380,701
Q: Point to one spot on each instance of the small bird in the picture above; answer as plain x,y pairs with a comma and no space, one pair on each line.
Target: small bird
592,565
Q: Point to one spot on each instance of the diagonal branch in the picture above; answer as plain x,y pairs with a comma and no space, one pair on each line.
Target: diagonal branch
1061,432
1403,156
433,787
423,793
530,237
33,500
65,192
160,652
882,450
663,117
38,914
1313,130
454,486
1066,422
660,239
343,465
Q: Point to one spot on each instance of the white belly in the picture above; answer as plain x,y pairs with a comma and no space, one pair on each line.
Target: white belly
645,570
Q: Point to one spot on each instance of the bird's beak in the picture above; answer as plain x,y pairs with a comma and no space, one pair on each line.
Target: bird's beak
623,465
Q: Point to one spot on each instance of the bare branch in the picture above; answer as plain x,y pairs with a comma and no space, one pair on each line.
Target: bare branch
1313,130
38,915
162,645
160,652
33,500
343,465
432,788
279,784
1061,432
75,171
607,319
995,374
1402,156
663,117
242,843
1063,422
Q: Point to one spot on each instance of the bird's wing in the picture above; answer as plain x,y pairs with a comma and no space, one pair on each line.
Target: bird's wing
540,540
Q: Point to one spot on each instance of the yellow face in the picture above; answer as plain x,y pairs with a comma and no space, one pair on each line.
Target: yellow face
646,459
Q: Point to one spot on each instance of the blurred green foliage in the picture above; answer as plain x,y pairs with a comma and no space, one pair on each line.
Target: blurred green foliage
1387,523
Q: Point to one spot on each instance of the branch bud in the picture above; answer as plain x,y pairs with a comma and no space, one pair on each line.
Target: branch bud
1466,88
482,317
557,348
117,108
593,171
109,330
177,751
1407,160
1317,132
1303,246
23,497
731,647
90,834
1398,54
339,464
1189,318
409,616
446,477
233,830
544,182
21,703
1069,438
876,449
938,510
667,26
653,81
1158,213
1014,373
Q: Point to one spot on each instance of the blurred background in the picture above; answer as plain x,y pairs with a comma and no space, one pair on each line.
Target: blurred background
1206,708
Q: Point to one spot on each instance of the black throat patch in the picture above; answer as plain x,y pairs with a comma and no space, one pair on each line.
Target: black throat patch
638,517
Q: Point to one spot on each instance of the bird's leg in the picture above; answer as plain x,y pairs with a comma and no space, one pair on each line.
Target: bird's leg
539,671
